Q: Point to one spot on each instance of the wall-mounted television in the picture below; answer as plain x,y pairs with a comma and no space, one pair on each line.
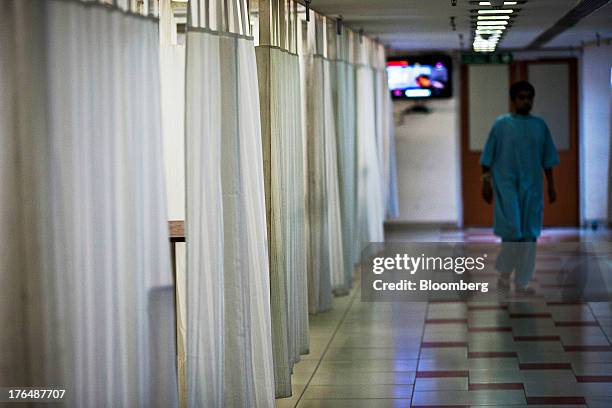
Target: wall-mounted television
420,77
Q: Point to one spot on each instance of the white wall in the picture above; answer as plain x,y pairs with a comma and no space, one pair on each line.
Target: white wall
595,109
428,152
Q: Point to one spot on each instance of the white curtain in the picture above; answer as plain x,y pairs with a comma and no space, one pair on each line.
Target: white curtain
172,69
334,220
386,143
284,161
392,194
87,301
319,267
371,208
229,351
347,158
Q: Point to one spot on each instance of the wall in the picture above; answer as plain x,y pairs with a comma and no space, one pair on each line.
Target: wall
428,171
595,118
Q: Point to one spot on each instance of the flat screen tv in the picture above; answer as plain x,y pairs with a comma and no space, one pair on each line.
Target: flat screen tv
420,77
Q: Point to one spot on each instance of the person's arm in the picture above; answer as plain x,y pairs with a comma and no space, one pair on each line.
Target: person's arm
552,193
487,189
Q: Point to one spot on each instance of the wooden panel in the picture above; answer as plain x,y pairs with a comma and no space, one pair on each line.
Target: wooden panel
476,212
565,212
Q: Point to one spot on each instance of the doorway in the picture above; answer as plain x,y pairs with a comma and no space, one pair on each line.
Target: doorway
556,101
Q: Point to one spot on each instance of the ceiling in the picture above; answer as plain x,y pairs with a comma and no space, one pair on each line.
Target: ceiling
425,24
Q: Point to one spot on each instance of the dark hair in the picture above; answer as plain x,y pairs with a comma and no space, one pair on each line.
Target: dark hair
521,86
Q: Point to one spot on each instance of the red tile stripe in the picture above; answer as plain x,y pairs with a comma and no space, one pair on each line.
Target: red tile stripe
492,354
587,348
489,329
493,386
529,315
445,321
441,374
556,401
441,344
545,366
594,378
440,406
537,338
577,324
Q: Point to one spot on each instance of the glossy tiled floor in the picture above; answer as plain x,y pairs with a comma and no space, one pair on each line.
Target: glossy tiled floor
457,354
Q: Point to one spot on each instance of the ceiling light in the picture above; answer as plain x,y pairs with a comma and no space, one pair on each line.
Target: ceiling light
495,32
496,27
490,26
504,11
493,17
506,3
490,23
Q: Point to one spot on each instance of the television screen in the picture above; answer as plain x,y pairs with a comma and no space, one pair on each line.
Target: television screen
420,77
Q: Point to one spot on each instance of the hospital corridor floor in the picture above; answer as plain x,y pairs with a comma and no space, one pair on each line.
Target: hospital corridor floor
458,354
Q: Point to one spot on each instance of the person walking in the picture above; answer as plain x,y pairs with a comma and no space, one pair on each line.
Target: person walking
519,147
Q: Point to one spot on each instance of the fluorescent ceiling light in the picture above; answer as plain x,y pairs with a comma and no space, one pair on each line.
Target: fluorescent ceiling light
504,11
506,3
490,23
495,27
493,17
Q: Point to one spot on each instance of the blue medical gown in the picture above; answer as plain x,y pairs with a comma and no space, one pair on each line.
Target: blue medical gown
518,148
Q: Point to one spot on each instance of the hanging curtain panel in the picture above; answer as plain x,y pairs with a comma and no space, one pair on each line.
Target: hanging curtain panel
371,209
381,126
204,222
392,194
300,217
283,159
386,143
345,136
85,271
229,352
334,220
319,267
291,155
172,66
